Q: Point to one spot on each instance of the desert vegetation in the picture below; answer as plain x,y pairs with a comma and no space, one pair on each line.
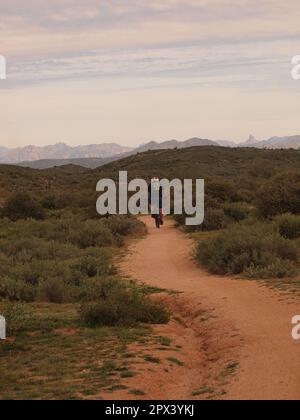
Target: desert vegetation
259,238
254,250
60,290
252,214
68,309
252,206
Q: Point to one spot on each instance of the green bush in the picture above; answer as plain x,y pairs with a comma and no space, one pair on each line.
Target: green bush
27,249
179,219
214,219
288,225
237,211
49,202
221,190
280,195
53,290
88,266
66,259
112,302
56,201
5,265
91,266
22,206
100,288
122,225
244,246
17,317
279,268
92,234
16,290
130,312
38,270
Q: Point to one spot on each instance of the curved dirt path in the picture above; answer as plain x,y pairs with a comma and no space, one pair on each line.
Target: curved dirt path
269,360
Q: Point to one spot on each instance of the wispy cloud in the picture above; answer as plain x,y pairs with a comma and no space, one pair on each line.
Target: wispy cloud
231,63
99,38
42,27
204,46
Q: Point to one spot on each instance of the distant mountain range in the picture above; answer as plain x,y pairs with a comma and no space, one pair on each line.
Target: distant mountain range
93,156
97,162
292,142
175,144
60,151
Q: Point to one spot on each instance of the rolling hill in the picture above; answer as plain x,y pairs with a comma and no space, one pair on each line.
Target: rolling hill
94,162
93,156
89,163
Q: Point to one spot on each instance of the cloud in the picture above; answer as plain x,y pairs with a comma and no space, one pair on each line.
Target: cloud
219,60
211,41
40,27
232,61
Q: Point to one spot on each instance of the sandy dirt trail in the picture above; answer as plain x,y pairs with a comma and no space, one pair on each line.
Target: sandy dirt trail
269,360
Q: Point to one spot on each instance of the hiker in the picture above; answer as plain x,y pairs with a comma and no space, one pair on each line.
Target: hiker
156,208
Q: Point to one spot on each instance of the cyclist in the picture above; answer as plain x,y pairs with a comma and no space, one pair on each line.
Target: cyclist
156,206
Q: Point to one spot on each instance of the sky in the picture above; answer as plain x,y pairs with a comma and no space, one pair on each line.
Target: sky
132,71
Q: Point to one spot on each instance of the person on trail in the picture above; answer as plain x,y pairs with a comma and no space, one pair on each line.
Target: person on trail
156,201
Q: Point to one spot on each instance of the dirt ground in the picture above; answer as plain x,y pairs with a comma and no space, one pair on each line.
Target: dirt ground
234,335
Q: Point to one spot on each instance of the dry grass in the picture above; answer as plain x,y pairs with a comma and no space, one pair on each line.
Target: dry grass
55,359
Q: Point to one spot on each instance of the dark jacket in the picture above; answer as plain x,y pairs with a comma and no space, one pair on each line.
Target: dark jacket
160,196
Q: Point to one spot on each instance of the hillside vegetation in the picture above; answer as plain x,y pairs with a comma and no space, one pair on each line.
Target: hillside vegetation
251,196
243,186
70,316
59,286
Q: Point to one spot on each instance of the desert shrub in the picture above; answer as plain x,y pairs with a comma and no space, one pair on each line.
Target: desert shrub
88,266
280,195
111,313
49,202
278,268
30,273
124,225
53,290
284,248
243,246
62,251
214,219
211,202
119,240
288,225
237,211
99,288
28,229
17,316
27,249
16,290
84,199
91,266
221,190
92,234
39,270
179,219
22,206
262,168
5,264
62,230
123,307
56,201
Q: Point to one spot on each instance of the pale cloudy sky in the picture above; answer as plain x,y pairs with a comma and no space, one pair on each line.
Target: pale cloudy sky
130,71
